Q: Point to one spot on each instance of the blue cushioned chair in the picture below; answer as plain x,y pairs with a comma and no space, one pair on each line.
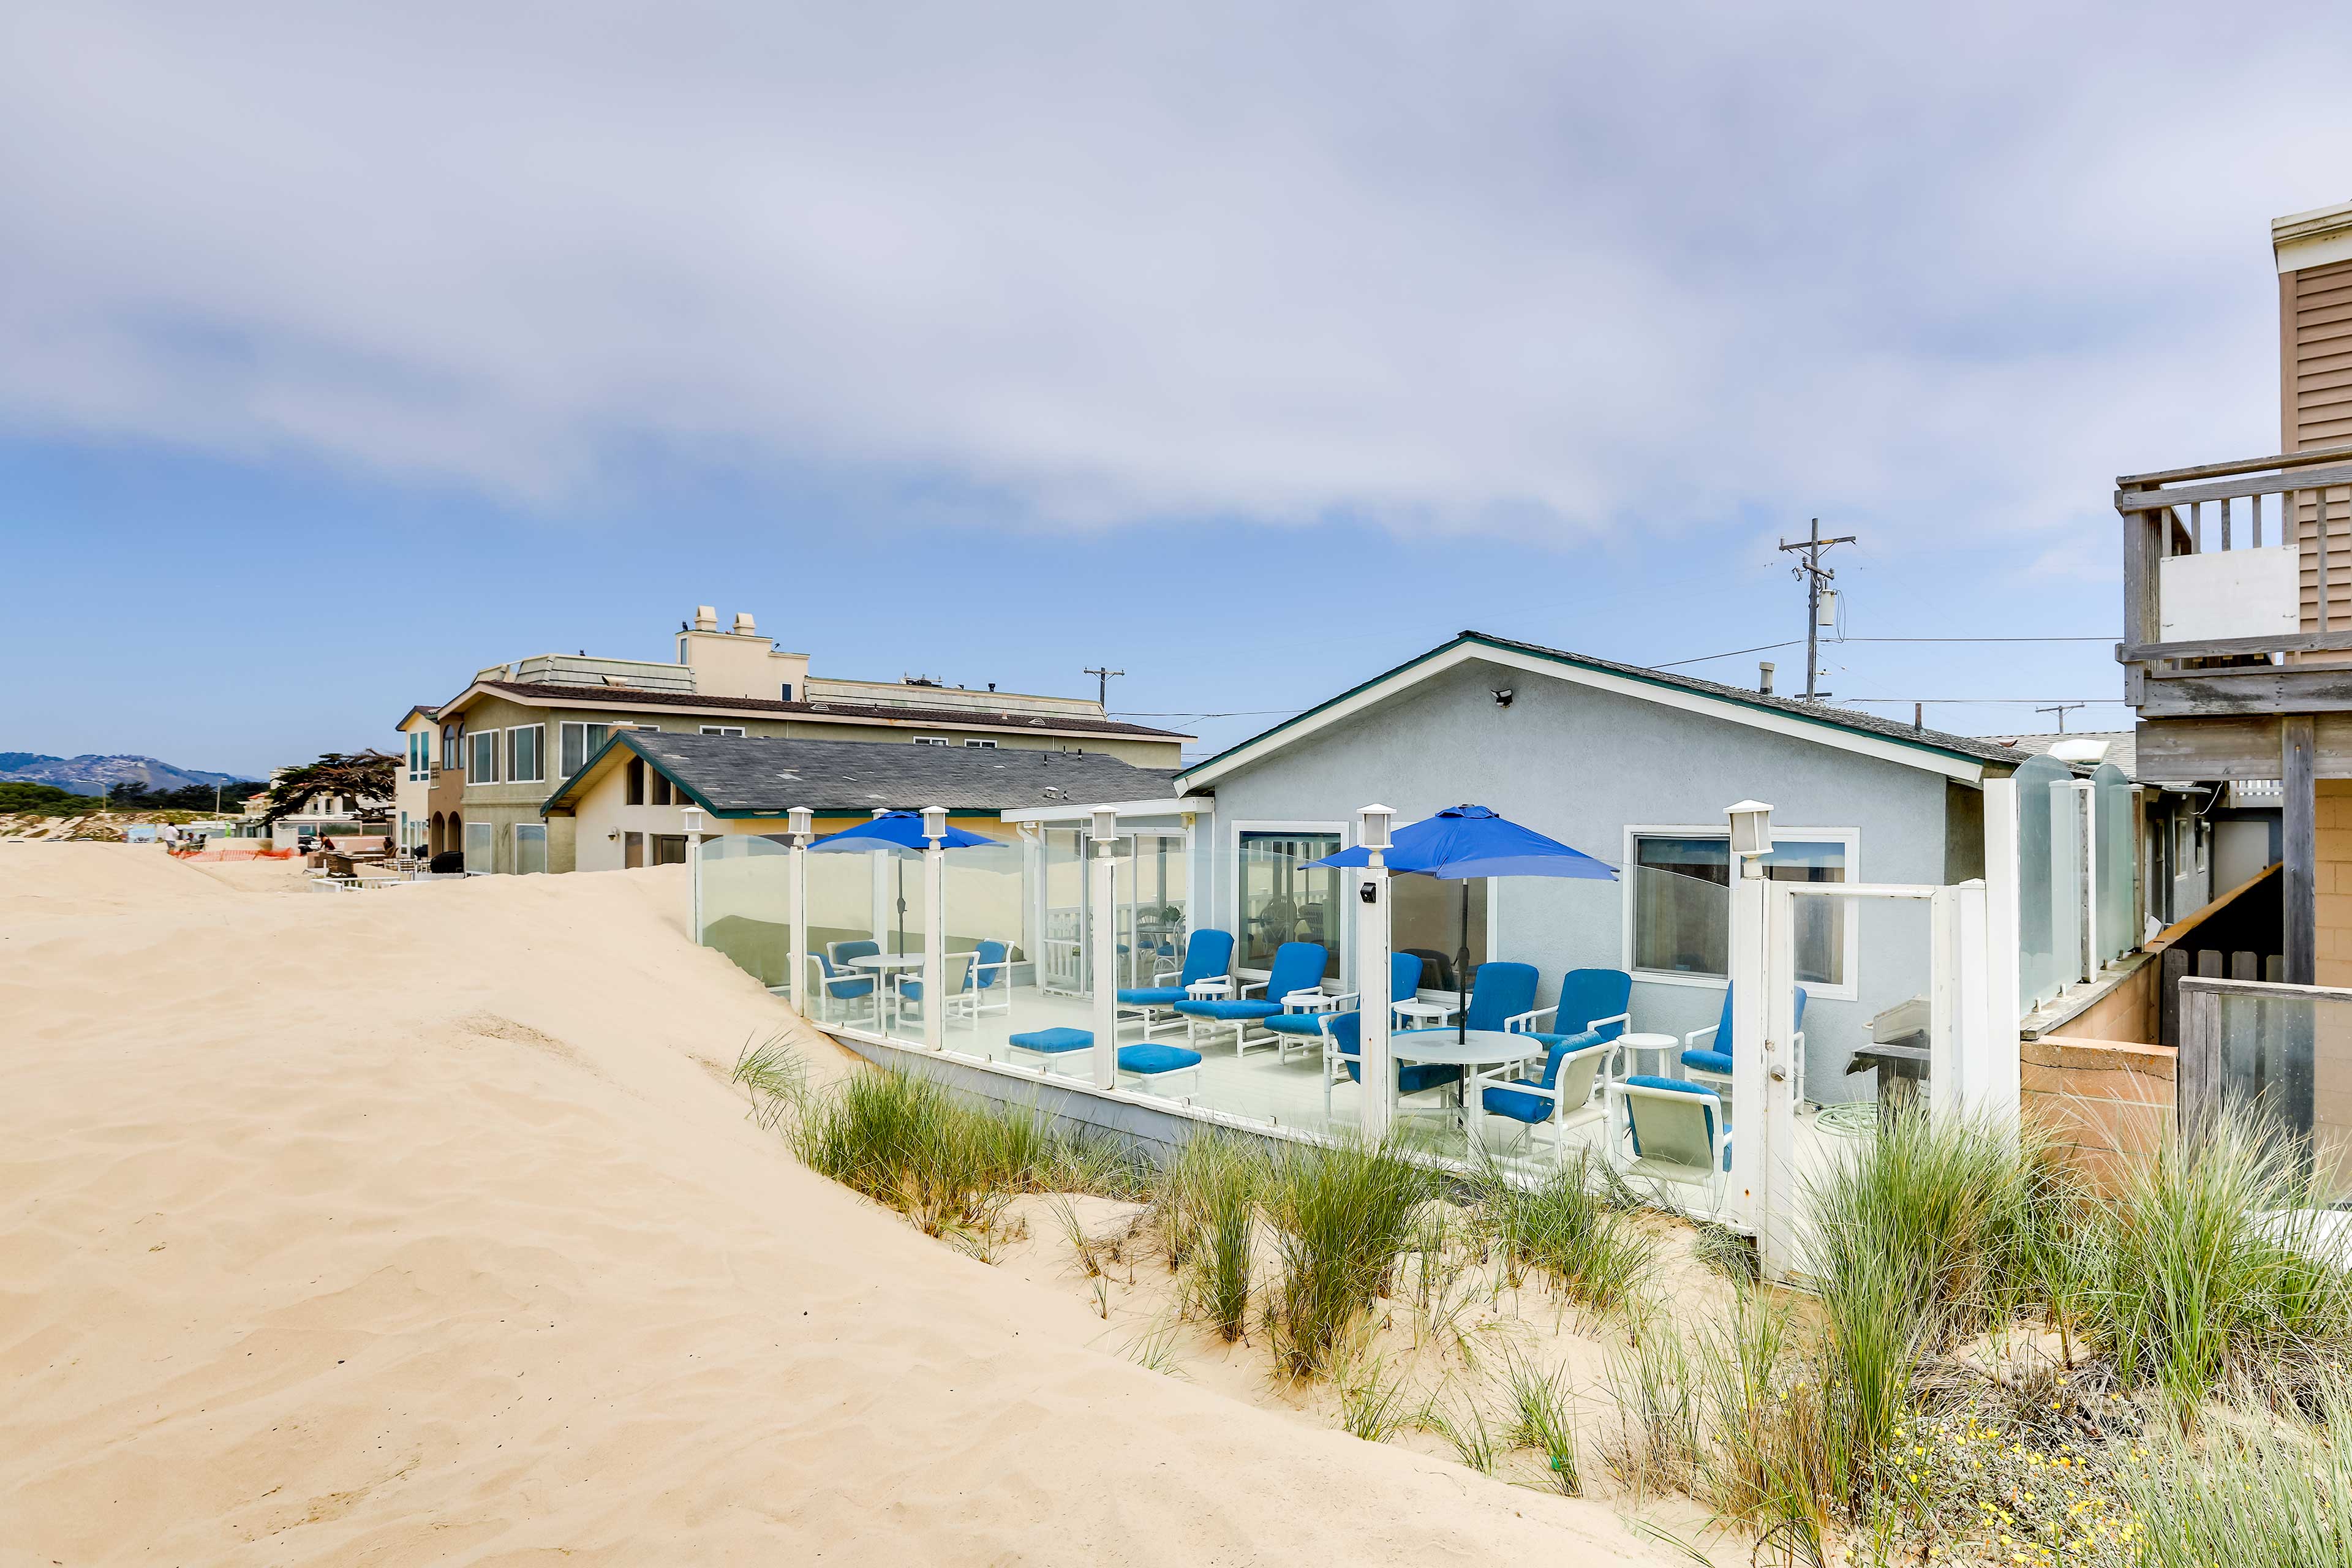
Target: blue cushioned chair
1671,1131
1560,1096
1590,999
1343,1056
840,953
1501,996
1208,955
985,986
1711,1065
1297,969
1299,1024
843,986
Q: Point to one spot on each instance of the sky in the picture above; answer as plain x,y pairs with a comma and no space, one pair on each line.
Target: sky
1250,350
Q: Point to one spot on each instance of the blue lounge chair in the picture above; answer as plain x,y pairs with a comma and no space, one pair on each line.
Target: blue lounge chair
1208,955
843,986
1148,1064
984,987
1501,996
1297,969
1560,1096
1298,1025
1711,1064
1590,999
1343,1058
1671,1131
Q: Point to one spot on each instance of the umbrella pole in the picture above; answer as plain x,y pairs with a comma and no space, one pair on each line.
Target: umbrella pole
1462,973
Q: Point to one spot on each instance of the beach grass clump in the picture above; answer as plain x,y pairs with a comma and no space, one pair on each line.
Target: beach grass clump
1562,1226
2208,1268
1341,1216
1770,1455
774,1075
1543,1416
951,1167
1207,1208
2249,1493
1656,1389
1374,1403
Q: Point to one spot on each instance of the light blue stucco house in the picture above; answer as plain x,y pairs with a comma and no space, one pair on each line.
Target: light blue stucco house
1632,765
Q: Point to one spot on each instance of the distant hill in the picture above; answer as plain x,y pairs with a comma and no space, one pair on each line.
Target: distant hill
93,775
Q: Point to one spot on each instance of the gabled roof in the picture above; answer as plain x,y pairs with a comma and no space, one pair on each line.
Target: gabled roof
639,699
756,776
1965,757
2122,747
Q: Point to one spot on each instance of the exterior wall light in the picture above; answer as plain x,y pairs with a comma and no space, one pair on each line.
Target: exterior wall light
802,821
1752,828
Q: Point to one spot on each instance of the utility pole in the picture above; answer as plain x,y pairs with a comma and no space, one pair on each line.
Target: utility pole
1814,573
1102,685
2061,710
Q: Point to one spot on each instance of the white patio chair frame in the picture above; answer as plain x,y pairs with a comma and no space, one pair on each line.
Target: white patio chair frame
838,1009
1619,1138
1310,1002
1568,1110
1710,1077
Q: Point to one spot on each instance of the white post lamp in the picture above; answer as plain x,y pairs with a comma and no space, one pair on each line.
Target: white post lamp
1372,937
1103,936
803,827
935,928
692,817
1757,1169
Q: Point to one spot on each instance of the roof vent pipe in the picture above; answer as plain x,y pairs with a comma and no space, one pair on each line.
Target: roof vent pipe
1764,677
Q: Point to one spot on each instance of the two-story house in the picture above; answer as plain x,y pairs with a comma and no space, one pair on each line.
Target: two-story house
519,729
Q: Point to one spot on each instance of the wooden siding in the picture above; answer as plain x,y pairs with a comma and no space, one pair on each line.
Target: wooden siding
2316,410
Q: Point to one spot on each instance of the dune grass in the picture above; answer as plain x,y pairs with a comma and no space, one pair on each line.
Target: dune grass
1342,1217
1207,1205
1543,1408
2250,1495
1562,1226
775,1077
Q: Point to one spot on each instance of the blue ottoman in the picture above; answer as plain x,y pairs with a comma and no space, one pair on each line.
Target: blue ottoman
1051,1046
1152,1063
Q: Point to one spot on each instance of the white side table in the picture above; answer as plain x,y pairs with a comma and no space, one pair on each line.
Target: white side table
1663,1046
1216,990
1420,1014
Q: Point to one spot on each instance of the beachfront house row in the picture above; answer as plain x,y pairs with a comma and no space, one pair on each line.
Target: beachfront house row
519,729
413,784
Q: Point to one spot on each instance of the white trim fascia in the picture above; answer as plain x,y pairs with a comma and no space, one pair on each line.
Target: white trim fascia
1072,811
1850,991
599,700
1820,732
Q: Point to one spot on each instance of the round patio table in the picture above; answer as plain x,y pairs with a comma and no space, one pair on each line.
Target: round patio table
1475,1049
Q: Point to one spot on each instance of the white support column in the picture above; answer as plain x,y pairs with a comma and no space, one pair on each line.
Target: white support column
1196,876
1751,836
1776,1215
2002,1006
1102,913
878,866
1372,937
1946,1067
802,820
2086,898
692,818
935,929
1986,1043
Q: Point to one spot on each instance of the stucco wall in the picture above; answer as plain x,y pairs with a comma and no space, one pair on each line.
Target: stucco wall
1582,765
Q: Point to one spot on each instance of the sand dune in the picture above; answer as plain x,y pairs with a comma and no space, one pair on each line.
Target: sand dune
422,1226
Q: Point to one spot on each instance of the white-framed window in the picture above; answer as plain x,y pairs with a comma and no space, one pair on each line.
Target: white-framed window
482,757
1677,904
420,755
932,740
1276,897
974,743
722,729
580,741
527,754
529,848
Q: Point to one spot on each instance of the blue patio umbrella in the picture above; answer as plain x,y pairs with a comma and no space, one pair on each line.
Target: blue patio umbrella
895,830
1463,842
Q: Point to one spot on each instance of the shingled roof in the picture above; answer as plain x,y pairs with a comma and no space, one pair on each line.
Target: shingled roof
753,776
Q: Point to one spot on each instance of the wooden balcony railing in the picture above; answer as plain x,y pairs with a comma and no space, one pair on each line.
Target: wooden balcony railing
2235,575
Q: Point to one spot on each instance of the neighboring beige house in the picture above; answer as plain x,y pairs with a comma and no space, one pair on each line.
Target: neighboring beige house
411,798
519,730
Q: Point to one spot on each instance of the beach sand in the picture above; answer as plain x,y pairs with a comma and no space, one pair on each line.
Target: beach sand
421,1226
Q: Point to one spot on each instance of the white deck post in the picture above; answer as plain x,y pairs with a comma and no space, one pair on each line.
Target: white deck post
1997,1090
2085,827
1776,1218
802,821
935,929
692,818
1975,1026
1751,838
1104,918
1372,972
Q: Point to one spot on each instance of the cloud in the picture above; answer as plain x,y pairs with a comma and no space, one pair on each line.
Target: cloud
1522,271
